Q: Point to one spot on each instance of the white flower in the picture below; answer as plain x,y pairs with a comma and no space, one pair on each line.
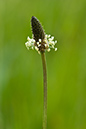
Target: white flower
49,43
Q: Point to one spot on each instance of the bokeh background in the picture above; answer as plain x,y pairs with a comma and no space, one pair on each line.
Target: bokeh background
21,83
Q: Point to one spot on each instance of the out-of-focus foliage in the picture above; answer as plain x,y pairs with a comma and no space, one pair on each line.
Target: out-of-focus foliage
21,87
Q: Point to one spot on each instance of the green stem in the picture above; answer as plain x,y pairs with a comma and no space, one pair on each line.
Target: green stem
45,91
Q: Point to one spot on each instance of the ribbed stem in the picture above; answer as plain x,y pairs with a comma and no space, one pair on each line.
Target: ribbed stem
45,91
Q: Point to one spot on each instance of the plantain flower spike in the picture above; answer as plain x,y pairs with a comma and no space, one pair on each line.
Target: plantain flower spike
40,41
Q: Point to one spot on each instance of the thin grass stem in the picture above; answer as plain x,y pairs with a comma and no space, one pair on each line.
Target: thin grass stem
45,90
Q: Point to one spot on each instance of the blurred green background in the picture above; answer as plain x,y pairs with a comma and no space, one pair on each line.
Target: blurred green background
21,83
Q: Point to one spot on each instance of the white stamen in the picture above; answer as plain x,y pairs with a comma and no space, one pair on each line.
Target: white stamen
55,41
55,49
37,43
46,36
32,48
49,36
52,46
52,37
50,43
28,38
48,49
29,44
39,40
45,40
33,40
45,45
36,48
26,44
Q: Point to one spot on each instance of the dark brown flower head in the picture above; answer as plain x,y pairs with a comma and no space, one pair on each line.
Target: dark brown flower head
37,29
40,41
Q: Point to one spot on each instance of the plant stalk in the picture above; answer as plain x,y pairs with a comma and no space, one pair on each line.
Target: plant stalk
45,90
